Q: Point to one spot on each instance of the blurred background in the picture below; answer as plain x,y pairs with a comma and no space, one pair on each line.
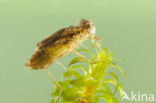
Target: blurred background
127,27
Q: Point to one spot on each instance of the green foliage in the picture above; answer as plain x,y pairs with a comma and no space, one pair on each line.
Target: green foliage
92,85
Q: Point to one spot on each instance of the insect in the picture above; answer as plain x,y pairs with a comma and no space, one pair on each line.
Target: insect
60,44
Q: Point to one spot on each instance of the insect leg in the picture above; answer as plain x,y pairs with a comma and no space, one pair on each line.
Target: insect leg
96,38
53,78
75,52
83,46
61,65
58,84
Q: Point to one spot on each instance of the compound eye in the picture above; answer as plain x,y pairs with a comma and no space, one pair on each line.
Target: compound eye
88,26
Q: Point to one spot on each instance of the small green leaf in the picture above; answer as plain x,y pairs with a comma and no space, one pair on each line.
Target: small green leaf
52,101
64,85
68,102
83,81
71,73
80,67
106,51
115,77
96,100
76,60
116,81
117,84
78,82
106,88
121,70
108,97
91,82
111,81
121,90
72,93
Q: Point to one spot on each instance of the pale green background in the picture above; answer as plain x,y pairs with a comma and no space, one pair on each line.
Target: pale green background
127,27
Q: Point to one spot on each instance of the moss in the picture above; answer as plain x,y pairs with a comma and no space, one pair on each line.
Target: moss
92,85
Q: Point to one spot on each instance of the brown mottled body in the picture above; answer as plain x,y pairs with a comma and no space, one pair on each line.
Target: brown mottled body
60,44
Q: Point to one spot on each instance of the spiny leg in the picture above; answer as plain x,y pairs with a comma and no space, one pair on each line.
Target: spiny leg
84,46
58,84
75,52
61,65
96,38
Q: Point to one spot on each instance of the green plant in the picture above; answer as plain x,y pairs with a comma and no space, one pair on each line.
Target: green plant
94,83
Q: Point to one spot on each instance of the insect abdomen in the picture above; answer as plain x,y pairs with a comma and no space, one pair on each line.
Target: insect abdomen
39,59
